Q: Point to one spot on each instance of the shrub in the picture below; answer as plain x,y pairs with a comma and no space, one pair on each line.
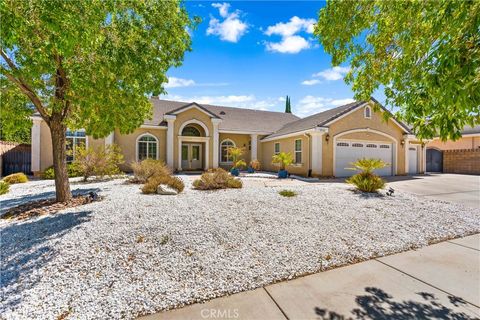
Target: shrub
4,187
19,177
216,179
287,193
235,153
100,163
283,159
153,182
255,165
72,172
147,168
366,180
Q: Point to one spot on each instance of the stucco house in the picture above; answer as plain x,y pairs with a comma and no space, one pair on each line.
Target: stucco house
192,136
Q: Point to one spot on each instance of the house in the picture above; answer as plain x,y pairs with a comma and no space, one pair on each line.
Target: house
192,136
460,156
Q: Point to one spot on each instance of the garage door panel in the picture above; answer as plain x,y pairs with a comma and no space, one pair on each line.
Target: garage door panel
347,152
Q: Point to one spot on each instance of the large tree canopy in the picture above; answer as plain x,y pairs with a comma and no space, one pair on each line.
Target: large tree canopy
15,110
92,63
426,54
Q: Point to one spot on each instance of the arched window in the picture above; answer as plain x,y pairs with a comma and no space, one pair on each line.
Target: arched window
223,149
191,131
147,147
368,112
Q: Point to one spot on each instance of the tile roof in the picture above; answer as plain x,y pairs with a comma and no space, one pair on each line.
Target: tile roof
233,119
471,130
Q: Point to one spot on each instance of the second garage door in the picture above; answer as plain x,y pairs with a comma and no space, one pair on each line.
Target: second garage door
347,152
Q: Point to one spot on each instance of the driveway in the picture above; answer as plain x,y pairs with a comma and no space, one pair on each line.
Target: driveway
459,188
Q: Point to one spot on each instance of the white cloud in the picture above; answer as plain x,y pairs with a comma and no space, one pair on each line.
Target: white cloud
335,73
309,105
311,82
291,42
239,101
174,82
231,28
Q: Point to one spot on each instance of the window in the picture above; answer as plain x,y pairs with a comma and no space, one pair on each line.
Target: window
191,131
277,148
357,145
298,151
342,144
224,150
75,139
370,145
147,147
384,146
368,112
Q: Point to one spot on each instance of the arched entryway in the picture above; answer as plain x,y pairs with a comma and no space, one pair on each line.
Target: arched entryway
193,145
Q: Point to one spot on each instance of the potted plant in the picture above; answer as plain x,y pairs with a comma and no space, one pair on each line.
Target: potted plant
235,153
283,159
254,166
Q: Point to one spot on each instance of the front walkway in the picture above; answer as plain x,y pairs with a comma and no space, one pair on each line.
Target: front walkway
441,281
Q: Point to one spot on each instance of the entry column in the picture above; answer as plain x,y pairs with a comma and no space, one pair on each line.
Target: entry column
254,152
170,137
215,142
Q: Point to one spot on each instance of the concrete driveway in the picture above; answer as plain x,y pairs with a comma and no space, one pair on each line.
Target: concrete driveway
463,189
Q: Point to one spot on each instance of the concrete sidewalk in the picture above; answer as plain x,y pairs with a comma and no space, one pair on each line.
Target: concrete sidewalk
441,281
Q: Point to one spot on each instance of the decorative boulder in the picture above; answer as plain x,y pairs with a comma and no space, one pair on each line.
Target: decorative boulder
163,189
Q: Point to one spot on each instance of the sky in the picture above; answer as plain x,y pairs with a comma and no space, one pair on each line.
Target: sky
252,54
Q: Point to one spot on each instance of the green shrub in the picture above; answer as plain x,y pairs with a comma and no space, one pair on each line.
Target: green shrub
19,177
216,179
99,163
235,154
153,182
147,168
4,187
283,159
366,180
72,172
287,193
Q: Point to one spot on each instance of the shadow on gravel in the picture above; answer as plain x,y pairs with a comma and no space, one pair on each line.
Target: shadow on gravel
25,250
10,203
377,304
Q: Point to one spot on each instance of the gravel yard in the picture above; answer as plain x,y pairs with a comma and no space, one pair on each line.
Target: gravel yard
132,254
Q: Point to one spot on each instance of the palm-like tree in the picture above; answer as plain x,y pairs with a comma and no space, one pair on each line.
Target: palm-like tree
284,159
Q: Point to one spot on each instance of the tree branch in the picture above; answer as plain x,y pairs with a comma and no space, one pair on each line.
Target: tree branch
23,86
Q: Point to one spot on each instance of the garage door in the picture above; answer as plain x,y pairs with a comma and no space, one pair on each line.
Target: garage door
347,152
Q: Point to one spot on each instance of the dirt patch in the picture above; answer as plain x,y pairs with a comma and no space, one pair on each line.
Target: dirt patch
46,206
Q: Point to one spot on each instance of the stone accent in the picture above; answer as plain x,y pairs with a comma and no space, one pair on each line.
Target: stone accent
462,161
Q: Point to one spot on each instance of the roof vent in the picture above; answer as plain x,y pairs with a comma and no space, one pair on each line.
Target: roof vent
222,112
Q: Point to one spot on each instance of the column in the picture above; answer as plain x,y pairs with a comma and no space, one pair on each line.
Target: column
109,139
317,148
215,142
170,142
207,153
254,152
424,157
179,167
35,165
406,145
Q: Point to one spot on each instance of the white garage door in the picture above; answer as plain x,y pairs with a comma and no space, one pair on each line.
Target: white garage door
347,152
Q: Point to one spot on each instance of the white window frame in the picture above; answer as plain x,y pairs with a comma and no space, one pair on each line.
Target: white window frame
74,139
221,149
275,148
369,116
147,142
298,151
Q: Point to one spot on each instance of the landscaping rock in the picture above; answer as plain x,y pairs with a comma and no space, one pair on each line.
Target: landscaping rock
163,189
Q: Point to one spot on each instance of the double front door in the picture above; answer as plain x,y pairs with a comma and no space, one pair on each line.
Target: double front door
191,156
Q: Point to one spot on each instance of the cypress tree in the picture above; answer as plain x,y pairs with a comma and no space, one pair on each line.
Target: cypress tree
288,108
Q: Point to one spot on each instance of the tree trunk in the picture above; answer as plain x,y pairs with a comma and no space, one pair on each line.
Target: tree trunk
62,185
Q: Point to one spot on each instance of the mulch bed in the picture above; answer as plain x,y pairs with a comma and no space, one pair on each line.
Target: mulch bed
46,206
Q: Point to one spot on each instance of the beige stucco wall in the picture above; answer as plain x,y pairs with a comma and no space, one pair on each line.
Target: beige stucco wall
46,149
287,145
128,144
462,143
356,120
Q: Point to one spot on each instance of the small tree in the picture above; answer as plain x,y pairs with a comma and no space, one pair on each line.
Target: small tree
100,163
366,180
288,107
283,159
235,153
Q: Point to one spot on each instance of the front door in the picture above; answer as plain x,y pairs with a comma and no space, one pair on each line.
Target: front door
191,156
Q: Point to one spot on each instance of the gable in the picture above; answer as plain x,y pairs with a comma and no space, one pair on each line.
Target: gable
190,106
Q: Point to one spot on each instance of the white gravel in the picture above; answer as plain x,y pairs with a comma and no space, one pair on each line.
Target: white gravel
90,262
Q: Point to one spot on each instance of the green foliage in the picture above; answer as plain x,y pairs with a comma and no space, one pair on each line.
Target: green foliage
235,153
4,187
97,162
216,179
153,182
288,107
287,193
283,159
19,177
425,53
147,168
15,109
367,165
72,171
367,182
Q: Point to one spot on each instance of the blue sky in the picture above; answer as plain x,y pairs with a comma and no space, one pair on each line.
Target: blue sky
251,54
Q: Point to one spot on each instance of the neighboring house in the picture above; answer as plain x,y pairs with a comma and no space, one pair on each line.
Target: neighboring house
460,156
14,157
192,136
